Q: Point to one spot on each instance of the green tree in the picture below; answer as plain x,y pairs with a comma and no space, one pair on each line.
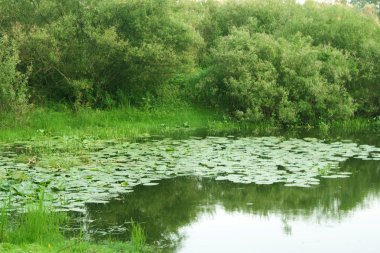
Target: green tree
91,53
363,3
13,83
256,76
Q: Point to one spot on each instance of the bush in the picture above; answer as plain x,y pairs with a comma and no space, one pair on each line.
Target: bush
256,76
351,31
13,83
87,53
255,59
337,26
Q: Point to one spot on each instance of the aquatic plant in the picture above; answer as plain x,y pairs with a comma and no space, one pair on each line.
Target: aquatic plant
37,223
116,168
138,240
39,230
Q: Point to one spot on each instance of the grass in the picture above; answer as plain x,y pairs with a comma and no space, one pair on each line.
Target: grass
137,237
128,123
39,230
107,124
66,133
131,123
62,139
355,125
38,224
71,247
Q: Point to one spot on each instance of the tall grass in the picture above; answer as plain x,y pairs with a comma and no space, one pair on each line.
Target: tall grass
138,239
59,136
124,123
132,123
38,230
37,224
3,223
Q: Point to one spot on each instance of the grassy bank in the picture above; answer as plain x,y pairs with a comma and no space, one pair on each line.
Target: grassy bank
132,123
127,124
40,230
68,246
63,138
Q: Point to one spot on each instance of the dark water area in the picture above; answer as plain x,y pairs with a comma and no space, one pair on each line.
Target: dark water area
201,214
363,136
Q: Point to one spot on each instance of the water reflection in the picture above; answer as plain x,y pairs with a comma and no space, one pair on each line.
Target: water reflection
241,232
190,214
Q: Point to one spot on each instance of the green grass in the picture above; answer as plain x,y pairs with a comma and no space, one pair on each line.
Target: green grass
107,124
39,230
62,139
355,125
131,123
71,247
38,224
76,132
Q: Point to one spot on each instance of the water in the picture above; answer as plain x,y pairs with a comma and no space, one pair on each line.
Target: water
193,214
221,194
117,169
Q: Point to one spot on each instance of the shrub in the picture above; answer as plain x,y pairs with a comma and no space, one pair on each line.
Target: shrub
13,83
256,76
87,53
352,32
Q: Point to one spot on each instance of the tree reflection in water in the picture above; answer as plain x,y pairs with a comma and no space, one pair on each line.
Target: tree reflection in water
176,203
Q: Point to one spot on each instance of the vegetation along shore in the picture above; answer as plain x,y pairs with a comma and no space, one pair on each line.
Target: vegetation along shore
79,74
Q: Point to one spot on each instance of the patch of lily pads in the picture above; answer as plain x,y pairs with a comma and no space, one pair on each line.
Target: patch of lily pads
116,169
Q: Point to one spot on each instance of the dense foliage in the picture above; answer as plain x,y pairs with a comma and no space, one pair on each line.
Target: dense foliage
275,60
13,83
98,52
257,76
369,6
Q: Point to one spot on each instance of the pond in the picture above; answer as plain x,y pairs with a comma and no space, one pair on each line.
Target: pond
192,214
221,194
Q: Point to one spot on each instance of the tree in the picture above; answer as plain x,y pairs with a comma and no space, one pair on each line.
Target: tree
363,3
13,89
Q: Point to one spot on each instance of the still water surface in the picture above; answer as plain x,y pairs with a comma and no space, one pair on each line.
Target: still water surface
195,214
284,193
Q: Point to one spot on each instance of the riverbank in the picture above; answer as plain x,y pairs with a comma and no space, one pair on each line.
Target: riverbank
133,123
64,138
40,229
68,246
61,139
128,123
